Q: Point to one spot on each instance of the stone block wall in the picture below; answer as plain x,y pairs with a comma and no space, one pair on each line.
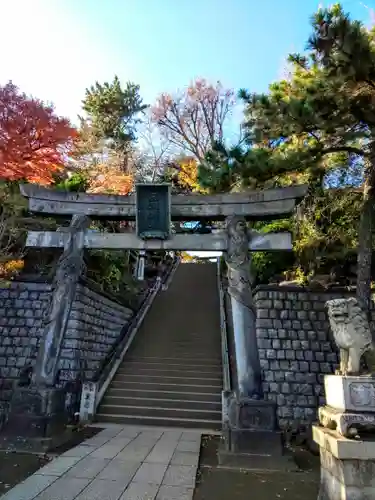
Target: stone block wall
95,323
296,350
22,307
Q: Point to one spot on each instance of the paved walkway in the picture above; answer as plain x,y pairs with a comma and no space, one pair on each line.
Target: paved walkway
119,463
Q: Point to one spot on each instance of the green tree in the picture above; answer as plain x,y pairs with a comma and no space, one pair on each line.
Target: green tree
320,122
113,112
221,169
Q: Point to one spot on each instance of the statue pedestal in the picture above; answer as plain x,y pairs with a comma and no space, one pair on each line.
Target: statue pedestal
346,423
250,439
347,466
37,419
350,393
350,404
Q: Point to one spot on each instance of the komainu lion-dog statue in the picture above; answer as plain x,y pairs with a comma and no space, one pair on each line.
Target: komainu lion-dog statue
351,331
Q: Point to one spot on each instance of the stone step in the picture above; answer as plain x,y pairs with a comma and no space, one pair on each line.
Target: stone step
182,388
214,381
193,352
208,397
160,412
167,359
181,339
165,371
181,355
190,404
172,373
187,423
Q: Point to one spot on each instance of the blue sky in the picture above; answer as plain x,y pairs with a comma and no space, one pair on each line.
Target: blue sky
54,49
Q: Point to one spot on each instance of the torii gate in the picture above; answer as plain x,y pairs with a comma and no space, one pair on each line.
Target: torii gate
153,208
255,205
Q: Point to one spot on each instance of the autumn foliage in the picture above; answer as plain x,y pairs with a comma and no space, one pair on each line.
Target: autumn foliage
187,175
10,269
109,179
104,169
34,141
194,119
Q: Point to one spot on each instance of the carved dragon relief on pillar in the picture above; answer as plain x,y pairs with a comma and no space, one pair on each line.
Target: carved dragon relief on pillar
69,269
238,259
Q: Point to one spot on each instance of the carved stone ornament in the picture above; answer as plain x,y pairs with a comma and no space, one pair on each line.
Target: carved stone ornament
238,259
351,331
348,424
350,393
68,271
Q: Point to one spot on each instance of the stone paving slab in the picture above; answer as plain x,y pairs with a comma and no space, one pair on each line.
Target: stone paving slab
180,475
128,433
110,450
134,453
97,440
79,451
30,488
174,493
192,446
185,458
140,491
191,436
150,473
162,452
118,470
58,466
119,463
88,467
102,489
173,435
65,488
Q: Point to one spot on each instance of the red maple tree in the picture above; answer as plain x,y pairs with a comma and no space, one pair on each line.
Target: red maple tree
34,141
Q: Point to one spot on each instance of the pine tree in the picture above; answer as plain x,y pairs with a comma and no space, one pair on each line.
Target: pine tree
321,120
114,111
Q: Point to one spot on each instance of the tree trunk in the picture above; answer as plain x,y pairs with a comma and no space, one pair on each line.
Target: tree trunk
366,227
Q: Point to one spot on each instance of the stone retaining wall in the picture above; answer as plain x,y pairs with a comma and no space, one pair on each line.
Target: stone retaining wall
296,350
22,307
95,323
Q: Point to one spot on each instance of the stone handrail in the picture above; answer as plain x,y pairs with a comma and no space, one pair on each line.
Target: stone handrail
131,328
106,362
96,389
169,277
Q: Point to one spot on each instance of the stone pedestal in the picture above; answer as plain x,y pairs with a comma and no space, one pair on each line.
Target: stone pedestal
350,393
37,419
350,404
250,437
346,423
347,466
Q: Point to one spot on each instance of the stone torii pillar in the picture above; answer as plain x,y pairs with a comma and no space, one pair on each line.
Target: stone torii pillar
68,271
37,415
249,421
238,261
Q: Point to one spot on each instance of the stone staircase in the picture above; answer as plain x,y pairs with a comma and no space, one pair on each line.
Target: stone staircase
172,373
